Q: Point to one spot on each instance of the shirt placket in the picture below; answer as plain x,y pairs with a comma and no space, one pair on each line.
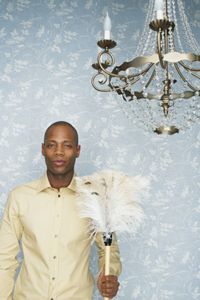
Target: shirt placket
54,252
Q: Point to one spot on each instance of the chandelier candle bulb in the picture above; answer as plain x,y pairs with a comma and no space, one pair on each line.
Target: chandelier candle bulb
159,9
107,27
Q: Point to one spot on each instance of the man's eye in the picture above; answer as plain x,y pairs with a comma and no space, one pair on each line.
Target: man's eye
50,146
67,146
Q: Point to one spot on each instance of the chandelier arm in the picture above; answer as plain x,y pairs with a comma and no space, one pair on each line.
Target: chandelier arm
121,91
120,87
103,69
183,77
190,71
151,78
138,62
94,78
135,79
150,96
188,68
195,75
185,95
101,64
178,56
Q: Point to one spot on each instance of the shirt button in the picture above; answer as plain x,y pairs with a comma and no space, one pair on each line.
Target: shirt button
55,235
53,278
58,196
51,299
54,257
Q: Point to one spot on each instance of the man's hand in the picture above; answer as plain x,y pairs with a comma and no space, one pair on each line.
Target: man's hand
108,285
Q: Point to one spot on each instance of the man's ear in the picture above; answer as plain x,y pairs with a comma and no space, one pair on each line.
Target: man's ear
78,150
43,149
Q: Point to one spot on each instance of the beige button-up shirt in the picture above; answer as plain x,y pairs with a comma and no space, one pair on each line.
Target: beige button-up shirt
55,242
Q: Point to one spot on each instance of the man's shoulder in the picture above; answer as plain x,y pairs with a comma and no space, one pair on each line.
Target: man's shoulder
26,187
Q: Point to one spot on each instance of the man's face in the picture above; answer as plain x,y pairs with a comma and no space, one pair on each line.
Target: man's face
60,150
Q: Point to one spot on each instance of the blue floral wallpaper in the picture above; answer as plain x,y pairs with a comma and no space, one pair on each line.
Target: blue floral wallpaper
47,48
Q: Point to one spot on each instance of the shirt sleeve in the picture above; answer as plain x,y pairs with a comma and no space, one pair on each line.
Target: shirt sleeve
115,263
10,235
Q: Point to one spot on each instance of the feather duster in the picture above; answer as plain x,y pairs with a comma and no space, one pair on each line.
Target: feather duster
111,200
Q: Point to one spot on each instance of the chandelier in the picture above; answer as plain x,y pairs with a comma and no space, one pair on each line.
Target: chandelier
159,89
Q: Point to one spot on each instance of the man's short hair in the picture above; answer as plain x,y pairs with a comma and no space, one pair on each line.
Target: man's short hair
62,123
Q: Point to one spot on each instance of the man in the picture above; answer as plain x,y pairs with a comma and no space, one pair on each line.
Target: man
55,241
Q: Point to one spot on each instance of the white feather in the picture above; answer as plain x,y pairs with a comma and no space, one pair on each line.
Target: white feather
112,201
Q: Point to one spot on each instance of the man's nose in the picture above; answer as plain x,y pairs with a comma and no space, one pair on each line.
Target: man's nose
59,150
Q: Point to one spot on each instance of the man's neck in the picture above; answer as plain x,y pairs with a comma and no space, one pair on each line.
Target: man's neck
59,181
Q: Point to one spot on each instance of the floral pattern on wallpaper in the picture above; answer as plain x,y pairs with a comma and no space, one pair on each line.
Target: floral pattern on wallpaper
47,48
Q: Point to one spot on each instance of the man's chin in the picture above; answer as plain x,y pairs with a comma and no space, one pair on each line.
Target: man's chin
58,172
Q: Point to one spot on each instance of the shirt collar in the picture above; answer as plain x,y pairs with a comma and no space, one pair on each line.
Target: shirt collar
45,184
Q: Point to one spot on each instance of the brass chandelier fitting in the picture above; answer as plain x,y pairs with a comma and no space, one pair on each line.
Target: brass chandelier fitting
162,81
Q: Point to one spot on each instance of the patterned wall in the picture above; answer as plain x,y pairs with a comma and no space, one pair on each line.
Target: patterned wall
47,48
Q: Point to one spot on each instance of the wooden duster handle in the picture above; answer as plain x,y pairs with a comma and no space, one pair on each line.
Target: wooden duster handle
107,263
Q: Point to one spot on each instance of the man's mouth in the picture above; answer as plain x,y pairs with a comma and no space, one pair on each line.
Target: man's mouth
58,163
